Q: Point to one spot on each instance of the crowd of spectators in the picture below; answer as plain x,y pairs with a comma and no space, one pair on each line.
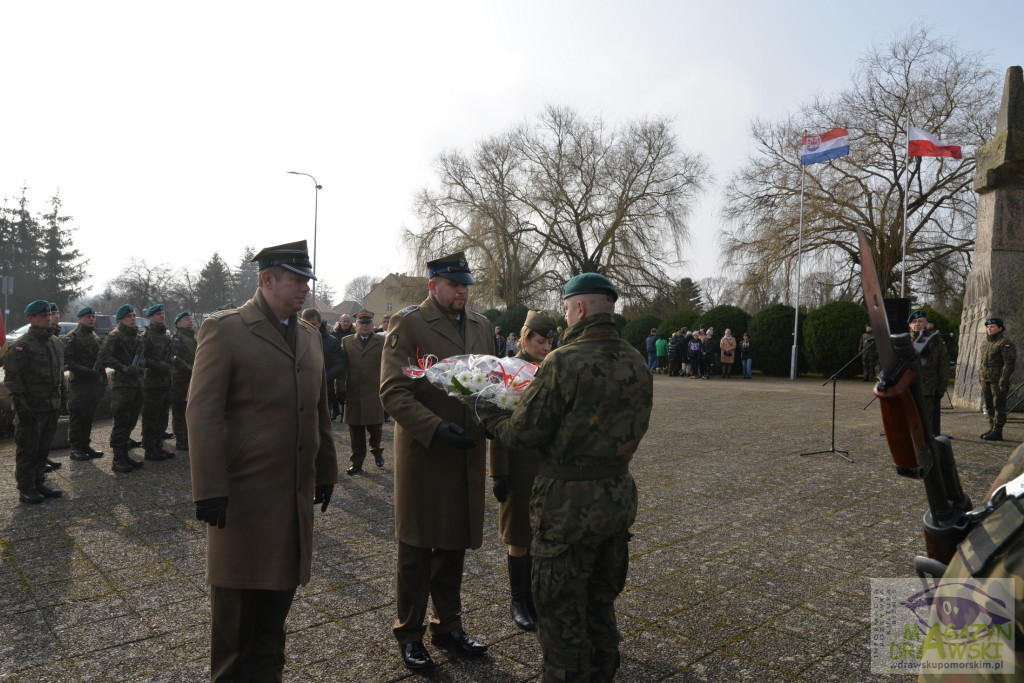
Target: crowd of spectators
699,354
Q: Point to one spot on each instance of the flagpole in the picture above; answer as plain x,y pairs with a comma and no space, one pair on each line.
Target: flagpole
799,256
906,193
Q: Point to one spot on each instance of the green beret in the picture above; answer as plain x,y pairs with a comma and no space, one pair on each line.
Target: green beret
990,321
916,314
589,283
54,307
182,315
85,310
38,306
155,308
123,311
542,323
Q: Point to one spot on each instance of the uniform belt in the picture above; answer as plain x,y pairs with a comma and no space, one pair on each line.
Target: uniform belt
580,473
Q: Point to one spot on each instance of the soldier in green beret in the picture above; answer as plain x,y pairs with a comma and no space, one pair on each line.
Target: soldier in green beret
997,358
34,376
121,351
88,382
183,355
586,410
869,354
934,366
156,384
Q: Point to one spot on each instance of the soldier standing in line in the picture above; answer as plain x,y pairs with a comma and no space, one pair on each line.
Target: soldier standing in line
52,465
121,351
869,354
512,475
34,374
934,370
87,385
361,380
998,359
587,409
439,463
183,355
156,384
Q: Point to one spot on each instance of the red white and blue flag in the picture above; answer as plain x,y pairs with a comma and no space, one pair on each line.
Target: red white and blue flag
825,147
923,144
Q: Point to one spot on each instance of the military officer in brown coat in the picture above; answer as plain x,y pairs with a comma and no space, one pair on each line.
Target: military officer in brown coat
439,463
361,381
262,454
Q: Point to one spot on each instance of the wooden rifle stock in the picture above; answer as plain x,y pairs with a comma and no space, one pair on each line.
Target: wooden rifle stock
902,423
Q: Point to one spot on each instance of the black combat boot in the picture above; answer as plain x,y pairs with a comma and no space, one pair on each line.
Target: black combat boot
93,453
995,435
985,435
132,461
79,454
181,445
132,443
155,454
519,582
120,463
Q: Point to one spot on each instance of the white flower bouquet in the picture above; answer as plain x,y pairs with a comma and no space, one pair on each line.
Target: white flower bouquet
474,378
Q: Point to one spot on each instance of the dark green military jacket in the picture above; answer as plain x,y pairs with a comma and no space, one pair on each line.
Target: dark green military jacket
933,366
81,349
868,347
997,358
183,355
157,360
35,370
117,352
586,411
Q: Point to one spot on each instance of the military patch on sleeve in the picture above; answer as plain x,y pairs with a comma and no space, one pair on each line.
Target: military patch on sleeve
393,340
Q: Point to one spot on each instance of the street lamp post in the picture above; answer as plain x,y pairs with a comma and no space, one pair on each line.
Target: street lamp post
316,198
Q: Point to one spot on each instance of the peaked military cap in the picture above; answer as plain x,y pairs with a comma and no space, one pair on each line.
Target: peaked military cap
590,283
155,308
454,267
123,311
181,315
990,321
917,314
293,256
541,322
364,316
38,306
85,310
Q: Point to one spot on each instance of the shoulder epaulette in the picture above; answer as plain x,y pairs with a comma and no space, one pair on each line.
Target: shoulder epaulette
223,314
409,309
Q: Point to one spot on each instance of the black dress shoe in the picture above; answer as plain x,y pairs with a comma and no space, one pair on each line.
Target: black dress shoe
167,453
378,459
415,655
47,492
458,640
54,465
93,453
168,435
47,468
155,455
33,497
78,455
355,469
132,443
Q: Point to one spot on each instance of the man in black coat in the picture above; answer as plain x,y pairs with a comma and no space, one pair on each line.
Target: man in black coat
334,357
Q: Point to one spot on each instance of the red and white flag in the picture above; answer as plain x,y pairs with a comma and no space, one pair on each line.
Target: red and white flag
924,144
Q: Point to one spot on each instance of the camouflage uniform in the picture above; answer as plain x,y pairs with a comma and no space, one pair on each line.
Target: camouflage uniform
934,377
117,352
156,388
88,383
997,358
995,549
586,410
34,375
869,357
183,354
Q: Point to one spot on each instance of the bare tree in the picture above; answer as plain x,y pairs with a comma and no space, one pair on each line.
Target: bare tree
359,287
141,284
943,90
718,291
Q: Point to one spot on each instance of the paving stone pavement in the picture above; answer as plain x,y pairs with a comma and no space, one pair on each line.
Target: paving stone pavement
750,562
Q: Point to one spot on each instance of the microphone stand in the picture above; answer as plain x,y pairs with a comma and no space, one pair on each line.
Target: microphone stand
833,379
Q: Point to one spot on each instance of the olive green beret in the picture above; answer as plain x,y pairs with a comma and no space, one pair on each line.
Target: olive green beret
589,283
182,315
38,306
990,321
916,314
123,311
85,310
54,307
542,323
155,308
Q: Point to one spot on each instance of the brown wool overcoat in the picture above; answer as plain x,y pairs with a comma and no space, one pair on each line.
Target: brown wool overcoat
439,491
728,344
361,380
259,433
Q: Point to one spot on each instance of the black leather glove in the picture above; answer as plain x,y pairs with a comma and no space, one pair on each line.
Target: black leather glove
499,485
213,511
322,494
452,435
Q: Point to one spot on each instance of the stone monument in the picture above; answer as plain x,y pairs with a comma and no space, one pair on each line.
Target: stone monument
995,286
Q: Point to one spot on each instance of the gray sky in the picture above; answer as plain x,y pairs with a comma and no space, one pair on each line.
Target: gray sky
168,129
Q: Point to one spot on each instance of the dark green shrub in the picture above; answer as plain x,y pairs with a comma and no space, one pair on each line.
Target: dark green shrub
677,321
512,320
772,332
832,336
637,330
620,322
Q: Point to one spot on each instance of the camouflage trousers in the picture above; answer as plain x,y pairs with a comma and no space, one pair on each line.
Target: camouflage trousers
125,403
179,400
85,395
932,408
33,434
995,403
574,588
156,407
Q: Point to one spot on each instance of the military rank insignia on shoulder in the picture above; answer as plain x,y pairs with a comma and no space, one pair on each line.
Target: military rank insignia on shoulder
409,309
222,314
392,340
